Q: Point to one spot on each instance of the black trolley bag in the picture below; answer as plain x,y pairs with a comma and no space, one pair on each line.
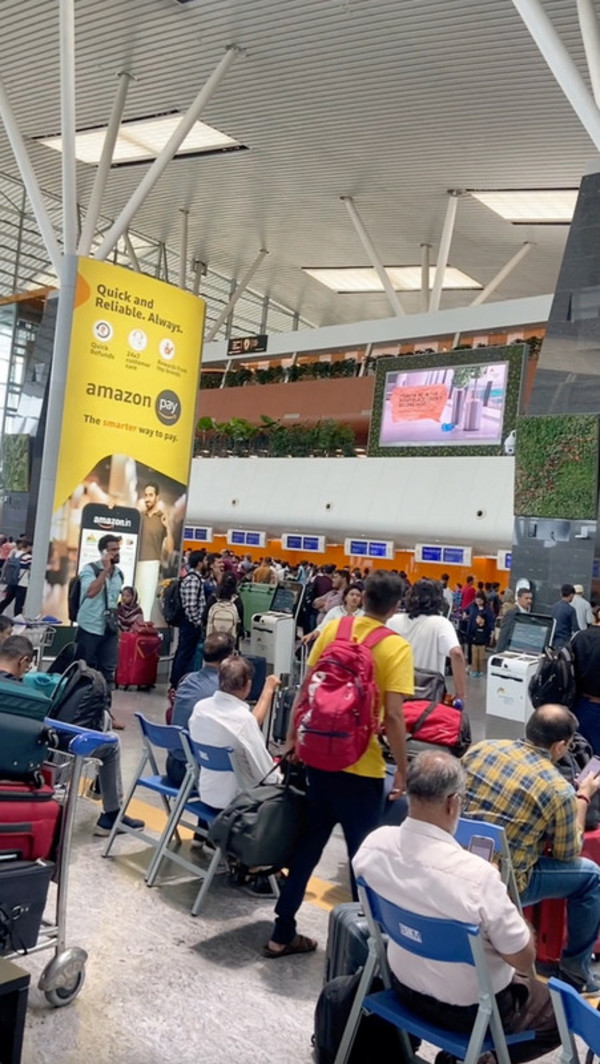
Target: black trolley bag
24,737
347,940
23,892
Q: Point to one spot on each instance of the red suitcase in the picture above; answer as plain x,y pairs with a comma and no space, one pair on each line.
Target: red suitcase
138,659
591,849
29,819
548,919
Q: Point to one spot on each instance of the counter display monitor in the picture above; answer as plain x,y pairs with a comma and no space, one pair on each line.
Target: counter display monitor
531,634
456,403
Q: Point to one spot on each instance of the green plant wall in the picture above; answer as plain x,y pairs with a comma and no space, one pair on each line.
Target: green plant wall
556,471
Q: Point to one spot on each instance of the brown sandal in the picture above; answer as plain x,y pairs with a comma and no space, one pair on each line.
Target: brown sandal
299,944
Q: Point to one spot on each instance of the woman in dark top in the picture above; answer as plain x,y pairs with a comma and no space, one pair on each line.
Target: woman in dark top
585,647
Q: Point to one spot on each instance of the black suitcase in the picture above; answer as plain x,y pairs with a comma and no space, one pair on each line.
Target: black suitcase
284,700
23,893
260,675
24,738
347,940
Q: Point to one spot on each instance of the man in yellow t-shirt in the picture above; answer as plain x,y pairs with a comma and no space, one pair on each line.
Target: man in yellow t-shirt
352,798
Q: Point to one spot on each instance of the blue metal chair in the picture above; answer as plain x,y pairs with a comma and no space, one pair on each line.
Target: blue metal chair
165,737
447,941
218,759
574,1016
464,833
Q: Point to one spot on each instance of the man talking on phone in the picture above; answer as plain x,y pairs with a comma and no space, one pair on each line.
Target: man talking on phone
97,633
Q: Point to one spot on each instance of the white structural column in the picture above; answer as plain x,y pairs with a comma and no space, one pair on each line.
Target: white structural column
54,419
183,253
502,274
131,255
444,249
376,263
29,179
590,34
425,267
239,290
103,170
562,65
67,111
199,269
171,147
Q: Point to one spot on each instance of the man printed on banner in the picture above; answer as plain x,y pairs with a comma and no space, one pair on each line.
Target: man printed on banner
156,544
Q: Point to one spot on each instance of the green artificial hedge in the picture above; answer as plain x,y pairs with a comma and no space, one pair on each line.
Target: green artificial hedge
15,463
556,473
239,438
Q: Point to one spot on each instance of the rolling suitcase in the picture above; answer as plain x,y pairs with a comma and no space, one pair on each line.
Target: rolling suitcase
548,917
347,938
260,675
23,892
24,738
284,700
138,659
29,819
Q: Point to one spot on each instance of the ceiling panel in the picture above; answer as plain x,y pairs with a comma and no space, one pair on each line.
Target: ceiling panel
390,101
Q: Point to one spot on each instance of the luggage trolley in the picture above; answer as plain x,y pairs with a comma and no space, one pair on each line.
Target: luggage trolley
40,634
63,976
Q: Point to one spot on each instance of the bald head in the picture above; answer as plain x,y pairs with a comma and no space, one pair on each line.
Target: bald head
549,725
235,676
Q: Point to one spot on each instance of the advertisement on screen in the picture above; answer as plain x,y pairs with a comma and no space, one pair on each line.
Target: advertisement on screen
456,403
127,430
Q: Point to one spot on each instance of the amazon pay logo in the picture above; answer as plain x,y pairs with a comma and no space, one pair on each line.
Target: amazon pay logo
168,407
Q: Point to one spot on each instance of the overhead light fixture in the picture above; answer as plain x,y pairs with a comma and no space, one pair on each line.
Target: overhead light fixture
346,279
144,138
530,206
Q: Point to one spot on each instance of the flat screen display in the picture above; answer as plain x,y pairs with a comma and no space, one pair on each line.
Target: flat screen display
286,597
447,403
531,633
444,406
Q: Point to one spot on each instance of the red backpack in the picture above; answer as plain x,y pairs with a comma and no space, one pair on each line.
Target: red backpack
337,711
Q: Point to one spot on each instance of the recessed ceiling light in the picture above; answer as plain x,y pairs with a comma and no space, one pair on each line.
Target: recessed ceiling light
531,206
144,138
404,278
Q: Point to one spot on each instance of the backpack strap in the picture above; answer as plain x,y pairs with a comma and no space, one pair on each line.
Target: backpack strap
345,627
375,637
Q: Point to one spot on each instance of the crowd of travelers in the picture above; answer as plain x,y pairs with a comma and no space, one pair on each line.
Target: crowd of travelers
411,857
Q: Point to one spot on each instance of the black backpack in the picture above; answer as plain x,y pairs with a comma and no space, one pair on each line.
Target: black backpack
171,605
331,1014
82,697
74,593
570,765
554,679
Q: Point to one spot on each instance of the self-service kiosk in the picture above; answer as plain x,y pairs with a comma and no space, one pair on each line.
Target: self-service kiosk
273,634
507,704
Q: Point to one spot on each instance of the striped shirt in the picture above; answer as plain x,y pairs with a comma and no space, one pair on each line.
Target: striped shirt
516,785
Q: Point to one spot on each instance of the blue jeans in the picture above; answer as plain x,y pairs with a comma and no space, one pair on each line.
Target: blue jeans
333,798
579,882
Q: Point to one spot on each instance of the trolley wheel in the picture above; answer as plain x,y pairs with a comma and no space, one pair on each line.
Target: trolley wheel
64,995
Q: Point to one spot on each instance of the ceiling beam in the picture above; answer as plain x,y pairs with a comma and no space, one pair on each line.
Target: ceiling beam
376,263
112,131
444,249
238,291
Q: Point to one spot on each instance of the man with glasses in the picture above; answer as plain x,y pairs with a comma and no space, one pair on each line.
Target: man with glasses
515,783
421,867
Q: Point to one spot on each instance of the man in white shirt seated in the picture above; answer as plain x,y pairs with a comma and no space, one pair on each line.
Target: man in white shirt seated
225,720
420,867
432,637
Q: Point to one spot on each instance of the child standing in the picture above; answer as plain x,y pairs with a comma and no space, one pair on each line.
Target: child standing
479,641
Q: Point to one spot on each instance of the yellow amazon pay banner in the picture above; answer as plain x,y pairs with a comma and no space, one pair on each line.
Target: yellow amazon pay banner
128,428
133,374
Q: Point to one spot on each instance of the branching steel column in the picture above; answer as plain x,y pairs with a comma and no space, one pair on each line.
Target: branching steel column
171,147
502,274
444,249
590,35
29,179
185,216
199,269
106,157
562,65
131,255
241,288
368,245
67,110
425,267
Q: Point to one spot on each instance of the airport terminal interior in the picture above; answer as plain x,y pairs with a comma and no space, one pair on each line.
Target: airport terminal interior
287,291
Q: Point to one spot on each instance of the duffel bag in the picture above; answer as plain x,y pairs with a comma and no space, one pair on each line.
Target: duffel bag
29,819
436,724
261,827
